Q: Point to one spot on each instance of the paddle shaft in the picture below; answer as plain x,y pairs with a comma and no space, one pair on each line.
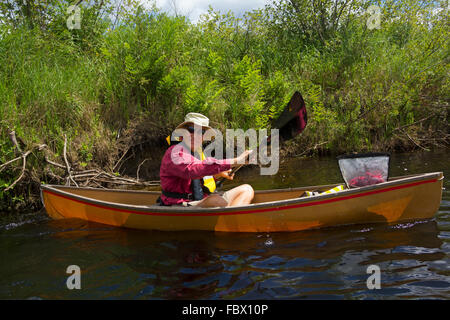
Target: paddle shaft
289,113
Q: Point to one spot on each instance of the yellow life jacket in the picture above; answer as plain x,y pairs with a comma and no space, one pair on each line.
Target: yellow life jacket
333,190
208,181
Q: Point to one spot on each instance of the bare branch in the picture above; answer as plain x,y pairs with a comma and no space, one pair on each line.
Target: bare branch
9,162
54,163
139,168
311,149
24,163
117,163
415,141
67,162
12,137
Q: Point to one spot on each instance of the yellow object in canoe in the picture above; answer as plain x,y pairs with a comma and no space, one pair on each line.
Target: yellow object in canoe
399,199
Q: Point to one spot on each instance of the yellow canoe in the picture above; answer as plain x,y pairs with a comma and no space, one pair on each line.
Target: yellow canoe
399,199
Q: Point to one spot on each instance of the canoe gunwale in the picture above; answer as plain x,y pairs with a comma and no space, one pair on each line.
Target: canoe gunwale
178,210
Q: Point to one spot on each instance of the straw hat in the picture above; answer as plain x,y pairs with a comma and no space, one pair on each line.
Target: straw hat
195,118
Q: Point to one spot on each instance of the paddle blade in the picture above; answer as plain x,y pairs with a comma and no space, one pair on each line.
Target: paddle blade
292,121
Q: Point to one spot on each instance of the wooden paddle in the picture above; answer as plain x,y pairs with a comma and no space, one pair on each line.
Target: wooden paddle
291,122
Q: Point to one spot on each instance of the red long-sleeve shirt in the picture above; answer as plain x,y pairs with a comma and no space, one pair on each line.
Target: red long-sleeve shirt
179,168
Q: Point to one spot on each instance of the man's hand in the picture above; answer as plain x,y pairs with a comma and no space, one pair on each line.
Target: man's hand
225,174
243,158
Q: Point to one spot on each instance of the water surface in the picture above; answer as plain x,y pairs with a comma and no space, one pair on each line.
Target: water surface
319,264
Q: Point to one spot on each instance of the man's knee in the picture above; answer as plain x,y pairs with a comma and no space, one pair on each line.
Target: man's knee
248,190
218,201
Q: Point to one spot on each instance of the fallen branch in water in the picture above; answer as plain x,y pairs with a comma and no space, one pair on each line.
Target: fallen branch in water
417,144
102,176
92,178
412,140
99,185
95,177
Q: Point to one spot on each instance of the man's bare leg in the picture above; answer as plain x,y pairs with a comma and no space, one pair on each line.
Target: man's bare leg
238,196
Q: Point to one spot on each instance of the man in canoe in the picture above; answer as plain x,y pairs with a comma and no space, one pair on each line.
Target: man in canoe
188,178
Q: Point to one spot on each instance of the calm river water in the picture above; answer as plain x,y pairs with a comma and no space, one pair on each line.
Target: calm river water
320,264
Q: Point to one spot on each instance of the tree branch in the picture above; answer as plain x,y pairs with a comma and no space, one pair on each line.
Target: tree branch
67,162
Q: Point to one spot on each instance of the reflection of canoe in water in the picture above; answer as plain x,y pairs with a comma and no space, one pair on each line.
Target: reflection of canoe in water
399,199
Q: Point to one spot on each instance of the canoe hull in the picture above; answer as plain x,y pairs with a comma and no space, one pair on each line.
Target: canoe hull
400,200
